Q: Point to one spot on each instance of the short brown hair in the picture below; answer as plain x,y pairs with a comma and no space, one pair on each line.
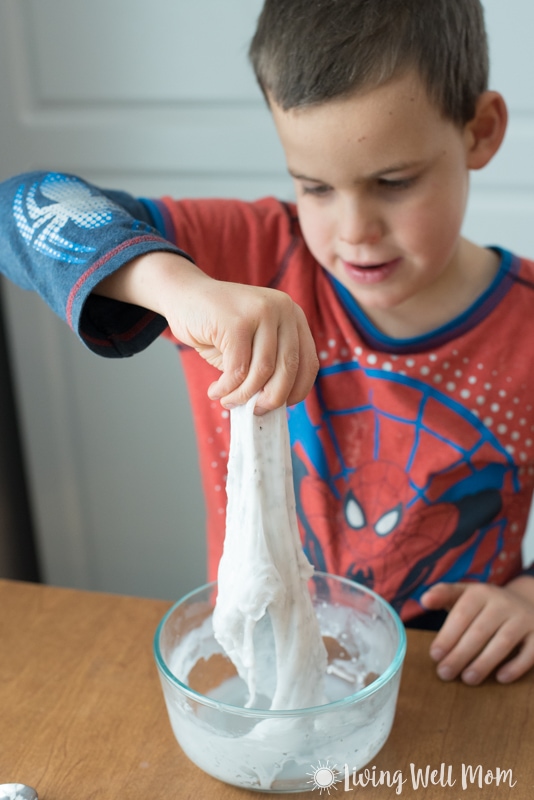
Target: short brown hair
306,52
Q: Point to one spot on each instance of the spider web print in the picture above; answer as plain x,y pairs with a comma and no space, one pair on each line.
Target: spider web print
423,427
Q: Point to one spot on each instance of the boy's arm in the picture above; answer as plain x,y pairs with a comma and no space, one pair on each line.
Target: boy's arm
258,338
97,261
60,236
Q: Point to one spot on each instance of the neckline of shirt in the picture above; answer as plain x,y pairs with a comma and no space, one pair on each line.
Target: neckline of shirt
468,319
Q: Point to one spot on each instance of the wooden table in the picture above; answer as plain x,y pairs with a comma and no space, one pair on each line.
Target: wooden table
82,714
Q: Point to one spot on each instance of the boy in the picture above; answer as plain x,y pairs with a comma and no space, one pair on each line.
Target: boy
412,450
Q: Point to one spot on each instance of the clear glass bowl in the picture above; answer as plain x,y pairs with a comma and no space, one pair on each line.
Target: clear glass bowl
284,751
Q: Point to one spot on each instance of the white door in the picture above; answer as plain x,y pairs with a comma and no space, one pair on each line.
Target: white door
157,98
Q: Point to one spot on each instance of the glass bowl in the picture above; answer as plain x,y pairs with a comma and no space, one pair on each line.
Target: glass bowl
284,751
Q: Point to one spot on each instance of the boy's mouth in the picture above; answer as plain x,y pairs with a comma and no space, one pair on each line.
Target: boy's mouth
370,273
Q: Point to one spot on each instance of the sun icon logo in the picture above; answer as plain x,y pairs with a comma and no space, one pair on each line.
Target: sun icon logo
324,777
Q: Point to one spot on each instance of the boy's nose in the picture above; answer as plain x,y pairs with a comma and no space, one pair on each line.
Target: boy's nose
359,223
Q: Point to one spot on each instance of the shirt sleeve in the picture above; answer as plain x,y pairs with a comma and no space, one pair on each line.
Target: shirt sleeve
60,236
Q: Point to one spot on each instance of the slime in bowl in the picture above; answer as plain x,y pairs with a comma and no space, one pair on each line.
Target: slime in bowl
278,750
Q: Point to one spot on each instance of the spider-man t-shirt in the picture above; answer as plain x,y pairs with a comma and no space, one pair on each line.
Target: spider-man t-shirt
413,460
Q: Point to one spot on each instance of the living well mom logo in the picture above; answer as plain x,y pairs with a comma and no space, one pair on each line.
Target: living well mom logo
328,777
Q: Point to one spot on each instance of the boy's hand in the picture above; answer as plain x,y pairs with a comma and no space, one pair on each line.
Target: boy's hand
258,338
485,625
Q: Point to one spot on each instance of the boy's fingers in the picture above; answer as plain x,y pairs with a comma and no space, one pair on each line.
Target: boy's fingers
482,628
260,368
520,664
442,595
278,385
296,365
465,609
477,652
235,365
268,349
282,365
498,646
308,362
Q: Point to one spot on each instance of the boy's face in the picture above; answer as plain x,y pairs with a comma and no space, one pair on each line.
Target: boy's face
382,182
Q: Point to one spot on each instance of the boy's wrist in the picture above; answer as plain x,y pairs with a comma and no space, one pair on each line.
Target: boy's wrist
148,280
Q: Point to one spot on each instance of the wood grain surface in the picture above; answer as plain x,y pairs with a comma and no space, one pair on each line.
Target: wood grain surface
82,714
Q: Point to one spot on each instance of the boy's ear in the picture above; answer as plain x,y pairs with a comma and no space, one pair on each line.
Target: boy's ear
485,132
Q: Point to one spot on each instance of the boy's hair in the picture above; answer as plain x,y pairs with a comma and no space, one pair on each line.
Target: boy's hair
310,51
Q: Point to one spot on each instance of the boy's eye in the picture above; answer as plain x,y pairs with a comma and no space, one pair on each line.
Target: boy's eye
399,183
318,190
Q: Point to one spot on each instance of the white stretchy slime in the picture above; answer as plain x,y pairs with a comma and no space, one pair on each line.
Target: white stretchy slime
264,617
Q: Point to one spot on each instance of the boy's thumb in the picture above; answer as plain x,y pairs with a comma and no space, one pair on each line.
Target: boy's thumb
442,595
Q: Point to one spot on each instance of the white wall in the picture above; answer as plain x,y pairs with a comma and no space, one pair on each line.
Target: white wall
158,98
501,208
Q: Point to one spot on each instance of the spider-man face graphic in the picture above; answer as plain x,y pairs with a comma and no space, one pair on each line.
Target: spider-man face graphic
398,489
375,501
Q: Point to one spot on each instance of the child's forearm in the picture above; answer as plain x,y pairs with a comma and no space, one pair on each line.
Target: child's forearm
257,337
151,280
173,287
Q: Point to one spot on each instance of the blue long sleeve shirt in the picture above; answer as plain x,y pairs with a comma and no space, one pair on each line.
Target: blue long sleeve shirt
60,236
